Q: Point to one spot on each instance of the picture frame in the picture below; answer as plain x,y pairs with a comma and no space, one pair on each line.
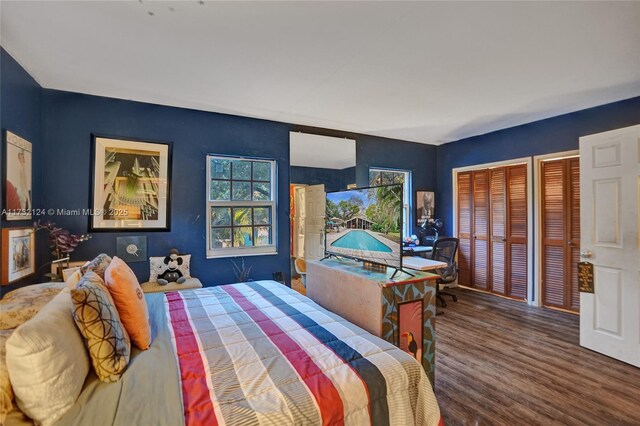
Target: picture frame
411,327
425,204
130,185
18,254
17,177
132,249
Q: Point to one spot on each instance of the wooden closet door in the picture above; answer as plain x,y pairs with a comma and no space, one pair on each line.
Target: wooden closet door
480,277
516,235
560,227
573,237
498,226
464,228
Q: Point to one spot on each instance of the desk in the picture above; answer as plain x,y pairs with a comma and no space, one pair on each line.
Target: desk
384,306
424,251
420,264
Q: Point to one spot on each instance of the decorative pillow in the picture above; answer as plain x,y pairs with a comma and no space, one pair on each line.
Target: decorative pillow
97,265
130,302
6,391
72,280
22,304
47,362
157,266
97,318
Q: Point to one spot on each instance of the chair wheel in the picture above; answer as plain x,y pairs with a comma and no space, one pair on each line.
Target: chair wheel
455,298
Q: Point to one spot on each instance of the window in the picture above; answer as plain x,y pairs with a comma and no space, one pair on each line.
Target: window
379,177
241,206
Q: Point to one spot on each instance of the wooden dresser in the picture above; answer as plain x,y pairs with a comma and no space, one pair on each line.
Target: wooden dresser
402,310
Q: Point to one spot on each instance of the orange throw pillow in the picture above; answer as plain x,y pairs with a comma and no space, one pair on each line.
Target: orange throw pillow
129,300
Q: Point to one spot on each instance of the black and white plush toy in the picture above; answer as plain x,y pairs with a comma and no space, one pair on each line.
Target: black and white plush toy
172,273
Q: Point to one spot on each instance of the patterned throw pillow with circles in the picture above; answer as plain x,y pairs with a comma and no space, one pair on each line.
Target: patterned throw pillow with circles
157,266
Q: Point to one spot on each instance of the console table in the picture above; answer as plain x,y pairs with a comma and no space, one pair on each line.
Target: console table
402,310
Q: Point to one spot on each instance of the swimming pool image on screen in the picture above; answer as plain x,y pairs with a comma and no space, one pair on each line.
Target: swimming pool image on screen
361,240
366,224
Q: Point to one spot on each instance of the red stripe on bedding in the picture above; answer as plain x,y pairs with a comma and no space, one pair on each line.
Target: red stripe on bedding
323,390
198,408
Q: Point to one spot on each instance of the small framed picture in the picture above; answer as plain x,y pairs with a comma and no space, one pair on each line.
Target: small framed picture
132,249
17,179
18,254
131,185
425,206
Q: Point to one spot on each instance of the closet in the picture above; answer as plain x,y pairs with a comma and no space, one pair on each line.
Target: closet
492,228
560,232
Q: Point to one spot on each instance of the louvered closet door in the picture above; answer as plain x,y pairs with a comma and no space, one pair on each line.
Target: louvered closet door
573,237
464,228
498,228
560,227
480,276
516,236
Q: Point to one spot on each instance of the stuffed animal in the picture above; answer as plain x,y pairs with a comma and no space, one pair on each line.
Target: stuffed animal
172,273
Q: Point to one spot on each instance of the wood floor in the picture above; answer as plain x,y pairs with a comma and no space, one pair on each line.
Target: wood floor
503,362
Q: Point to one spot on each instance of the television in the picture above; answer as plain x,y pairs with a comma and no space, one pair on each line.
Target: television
366,224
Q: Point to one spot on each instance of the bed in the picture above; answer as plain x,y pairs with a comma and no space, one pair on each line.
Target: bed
257,353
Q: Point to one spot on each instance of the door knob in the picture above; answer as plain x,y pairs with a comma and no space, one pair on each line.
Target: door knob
586,254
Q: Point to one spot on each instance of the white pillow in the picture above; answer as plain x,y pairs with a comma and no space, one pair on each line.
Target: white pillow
157,266
47,361
73,277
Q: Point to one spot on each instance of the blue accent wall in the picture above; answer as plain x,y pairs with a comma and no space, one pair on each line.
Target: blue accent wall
333,179
20,113
420,159
557,134
71,118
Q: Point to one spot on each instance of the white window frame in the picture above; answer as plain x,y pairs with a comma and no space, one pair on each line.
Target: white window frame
407,198
242,251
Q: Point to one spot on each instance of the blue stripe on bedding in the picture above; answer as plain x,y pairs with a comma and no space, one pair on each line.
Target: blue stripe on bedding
370,374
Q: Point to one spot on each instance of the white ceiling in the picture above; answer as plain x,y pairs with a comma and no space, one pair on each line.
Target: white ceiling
427,72
326,152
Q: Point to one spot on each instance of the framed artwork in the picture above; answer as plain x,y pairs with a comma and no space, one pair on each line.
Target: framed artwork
18,253
132,249
17,179
130,186
410,327
425,206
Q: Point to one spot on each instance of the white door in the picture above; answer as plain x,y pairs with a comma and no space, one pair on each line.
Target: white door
298,222
610,239
315,206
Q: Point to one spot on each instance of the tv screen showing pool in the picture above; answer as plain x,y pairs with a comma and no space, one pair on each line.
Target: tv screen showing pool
366,224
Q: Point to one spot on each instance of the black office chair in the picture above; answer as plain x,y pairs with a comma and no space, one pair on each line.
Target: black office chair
444,250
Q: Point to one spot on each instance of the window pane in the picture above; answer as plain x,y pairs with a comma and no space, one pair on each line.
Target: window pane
242,216
220,169
241,170
398,178
262,235
262,215
242,237
388,178
241,190
220,216
374,178
261,191
219,190
261,171
220,237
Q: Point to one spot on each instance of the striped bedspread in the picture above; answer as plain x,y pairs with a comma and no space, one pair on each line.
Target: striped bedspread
260,353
